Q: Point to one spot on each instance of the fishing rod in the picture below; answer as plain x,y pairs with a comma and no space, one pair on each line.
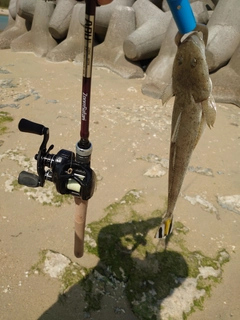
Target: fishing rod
84,146
71,173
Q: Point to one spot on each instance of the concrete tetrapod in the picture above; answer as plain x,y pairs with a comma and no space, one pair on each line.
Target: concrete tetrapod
26,8
103,16
224,33
60,19
159,72
12,8
38,39
226,81
73,44
110,53
151,26
15,29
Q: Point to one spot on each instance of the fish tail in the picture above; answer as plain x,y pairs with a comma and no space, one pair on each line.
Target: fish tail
165,228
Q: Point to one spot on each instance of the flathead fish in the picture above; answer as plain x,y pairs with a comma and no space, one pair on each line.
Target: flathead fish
194,106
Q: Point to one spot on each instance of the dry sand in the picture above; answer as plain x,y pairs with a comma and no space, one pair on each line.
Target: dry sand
126,127
4,12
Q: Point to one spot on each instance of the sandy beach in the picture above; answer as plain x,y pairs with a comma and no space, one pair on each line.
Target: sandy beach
130,134
4,12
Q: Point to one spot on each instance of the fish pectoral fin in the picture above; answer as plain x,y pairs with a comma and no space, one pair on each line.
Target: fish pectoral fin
209,110
176,128
167,94
165,228
201,128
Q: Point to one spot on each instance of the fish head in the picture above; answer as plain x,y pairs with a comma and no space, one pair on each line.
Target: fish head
190,69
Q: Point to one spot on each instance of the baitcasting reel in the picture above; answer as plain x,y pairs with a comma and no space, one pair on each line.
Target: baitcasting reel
70,174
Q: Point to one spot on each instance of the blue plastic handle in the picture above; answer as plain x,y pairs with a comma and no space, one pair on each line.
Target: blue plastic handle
183,15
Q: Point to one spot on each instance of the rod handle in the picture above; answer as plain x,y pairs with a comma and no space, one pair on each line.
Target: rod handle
80,222
31,127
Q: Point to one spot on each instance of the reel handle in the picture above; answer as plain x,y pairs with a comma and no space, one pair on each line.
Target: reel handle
31,127
28,179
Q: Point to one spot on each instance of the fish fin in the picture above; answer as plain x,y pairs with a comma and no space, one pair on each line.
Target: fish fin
176,128
165,228
200,129
209,110
167,93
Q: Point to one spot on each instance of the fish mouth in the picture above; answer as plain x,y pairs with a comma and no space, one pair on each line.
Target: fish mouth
194,39
200,28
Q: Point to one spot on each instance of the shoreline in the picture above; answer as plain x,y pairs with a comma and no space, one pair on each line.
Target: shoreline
4,12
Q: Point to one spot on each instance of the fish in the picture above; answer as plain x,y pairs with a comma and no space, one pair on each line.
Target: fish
194,107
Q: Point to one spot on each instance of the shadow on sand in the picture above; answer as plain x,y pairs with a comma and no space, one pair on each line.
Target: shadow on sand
130,280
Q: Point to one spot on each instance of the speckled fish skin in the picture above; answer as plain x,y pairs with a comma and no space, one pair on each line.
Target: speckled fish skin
194,107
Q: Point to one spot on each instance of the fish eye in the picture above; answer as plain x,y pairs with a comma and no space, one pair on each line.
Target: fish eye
193,62
180,60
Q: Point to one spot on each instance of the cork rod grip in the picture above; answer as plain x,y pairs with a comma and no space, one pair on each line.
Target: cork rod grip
80,221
